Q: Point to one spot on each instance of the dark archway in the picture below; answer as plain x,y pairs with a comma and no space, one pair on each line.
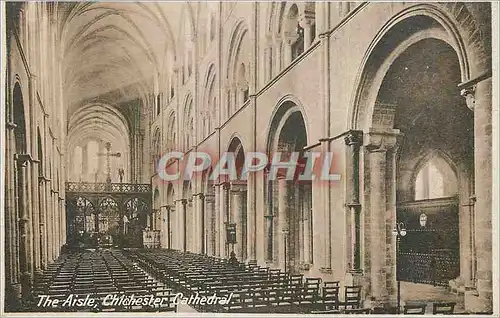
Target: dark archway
289,202
421,85
238,201
406,101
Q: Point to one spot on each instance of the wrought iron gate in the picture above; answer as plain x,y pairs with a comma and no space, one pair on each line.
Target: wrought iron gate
430,252
107,214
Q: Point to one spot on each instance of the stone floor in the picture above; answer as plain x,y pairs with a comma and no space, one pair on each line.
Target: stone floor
422,293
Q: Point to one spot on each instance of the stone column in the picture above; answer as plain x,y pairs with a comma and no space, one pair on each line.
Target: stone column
201,219
35,208
278,55
251,214
306,23
288,40
237,207
25,257
223,218
354,140
210,224
55,224
179,231
186,210
306,210
167,209
43,223
480,98
49,221
382,212
218,220
62,223
269,219
282,231
378,209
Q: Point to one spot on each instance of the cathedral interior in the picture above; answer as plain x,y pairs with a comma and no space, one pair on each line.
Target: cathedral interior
400,93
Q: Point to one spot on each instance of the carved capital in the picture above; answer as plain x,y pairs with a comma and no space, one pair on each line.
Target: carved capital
238,187
469,94
11,125
354,138
306,19
210,198
23,159
380,140
200,195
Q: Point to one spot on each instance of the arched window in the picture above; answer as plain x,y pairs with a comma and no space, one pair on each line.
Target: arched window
242,84
436,179
298,45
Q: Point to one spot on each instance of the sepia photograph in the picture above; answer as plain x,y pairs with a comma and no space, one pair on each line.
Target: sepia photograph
242,158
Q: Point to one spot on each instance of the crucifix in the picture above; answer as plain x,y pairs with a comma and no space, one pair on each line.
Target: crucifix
108,155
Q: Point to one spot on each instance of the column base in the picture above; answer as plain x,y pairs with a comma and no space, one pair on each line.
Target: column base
478,304
13,298
354,277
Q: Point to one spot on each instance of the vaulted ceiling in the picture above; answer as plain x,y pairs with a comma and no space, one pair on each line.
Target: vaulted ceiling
117,49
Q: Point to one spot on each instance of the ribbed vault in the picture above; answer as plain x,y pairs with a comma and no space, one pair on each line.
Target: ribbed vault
122,49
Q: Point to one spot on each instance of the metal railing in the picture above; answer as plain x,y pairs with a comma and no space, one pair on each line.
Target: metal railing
92,187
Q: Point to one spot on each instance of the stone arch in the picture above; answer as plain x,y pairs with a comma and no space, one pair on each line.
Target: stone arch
102,123
436,21
397,132
475,34
286,106
238,54
289,231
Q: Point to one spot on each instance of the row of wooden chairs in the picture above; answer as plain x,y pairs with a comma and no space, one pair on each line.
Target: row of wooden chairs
252,288
438,308
98,274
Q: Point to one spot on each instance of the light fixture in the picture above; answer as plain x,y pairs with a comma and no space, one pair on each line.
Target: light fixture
423,220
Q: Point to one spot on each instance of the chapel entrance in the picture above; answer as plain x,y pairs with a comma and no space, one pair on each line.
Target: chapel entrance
433,160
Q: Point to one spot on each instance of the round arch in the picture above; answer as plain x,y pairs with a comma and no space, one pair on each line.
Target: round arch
432,22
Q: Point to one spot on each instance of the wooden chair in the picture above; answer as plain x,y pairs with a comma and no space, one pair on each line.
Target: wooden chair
443,308
414,309
330,295
352,297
